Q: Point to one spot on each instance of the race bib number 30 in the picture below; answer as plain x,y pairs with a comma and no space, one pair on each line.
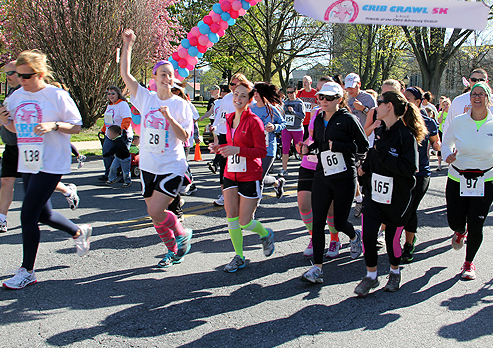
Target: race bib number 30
472,187
31,156
382,187
332,162
155,140
236,164
290,120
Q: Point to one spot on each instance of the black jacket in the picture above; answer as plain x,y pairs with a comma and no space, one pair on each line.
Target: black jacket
347,136
119,149
394,154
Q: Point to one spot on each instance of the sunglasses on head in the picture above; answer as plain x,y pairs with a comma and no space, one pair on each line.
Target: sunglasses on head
327,97
26,76
473,79
10,73
232,84
380,102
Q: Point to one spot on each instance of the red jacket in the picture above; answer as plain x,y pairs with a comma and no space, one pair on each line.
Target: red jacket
250,137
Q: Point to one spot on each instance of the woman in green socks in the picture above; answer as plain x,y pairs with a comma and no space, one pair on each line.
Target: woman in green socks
244,151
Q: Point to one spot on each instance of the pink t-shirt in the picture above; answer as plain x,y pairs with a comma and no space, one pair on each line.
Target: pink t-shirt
310,161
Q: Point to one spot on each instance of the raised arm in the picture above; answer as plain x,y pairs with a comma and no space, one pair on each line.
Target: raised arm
128,37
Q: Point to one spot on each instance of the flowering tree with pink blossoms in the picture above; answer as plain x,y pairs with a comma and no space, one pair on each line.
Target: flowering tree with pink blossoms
81,38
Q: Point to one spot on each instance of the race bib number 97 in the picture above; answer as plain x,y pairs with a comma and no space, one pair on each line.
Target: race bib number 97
473,187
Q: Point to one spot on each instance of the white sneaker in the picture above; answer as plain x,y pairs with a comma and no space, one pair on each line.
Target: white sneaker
309,250
21,279
73,199
333,251
3,226
80,161
219,201
82,243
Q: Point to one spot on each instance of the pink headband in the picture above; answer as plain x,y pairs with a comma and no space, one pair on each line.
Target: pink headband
158,64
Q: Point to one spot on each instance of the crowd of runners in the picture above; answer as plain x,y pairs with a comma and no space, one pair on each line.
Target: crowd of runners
355,146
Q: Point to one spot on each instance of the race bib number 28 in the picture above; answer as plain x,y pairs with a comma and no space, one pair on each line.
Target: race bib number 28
155,140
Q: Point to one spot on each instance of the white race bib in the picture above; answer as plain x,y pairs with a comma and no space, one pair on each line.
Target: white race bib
31,155
155,140
108,118
472,187
236,164
382,187
332,162
290,120
308,106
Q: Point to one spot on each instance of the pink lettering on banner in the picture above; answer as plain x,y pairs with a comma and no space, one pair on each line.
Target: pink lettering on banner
344,10
27,116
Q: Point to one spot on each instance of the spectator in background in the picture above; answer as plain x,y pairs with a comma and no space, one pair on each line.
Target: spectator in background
120,154
307,95
372,92
214,96
427,101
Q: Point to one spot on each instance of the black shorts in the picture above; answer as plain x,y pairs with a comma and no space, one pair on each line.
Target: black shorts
247,189
169,184
10,159
305,179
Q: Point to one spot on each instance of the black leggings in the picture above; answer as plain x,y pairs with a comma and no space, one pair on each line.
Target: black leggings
371,226
221,139
324,191
75,152
36,208
468,214
422,184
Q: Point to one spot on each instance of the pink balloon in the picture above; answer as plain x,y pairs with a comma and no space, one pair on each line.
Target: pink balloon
226,6
224,25
234,14
152,85
194,41
180,78
202,49
136,128
216,18
182,52
192,60
175,56
183,63
221,33
195,31
242,12
190,67
189,36
236,5
208,20
203,40
215,27
210,44
211,13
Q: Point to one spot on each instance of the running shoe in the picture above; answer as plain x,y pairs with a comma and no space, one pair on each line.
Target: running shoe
313,275
357,209
103,178
468,271
381,239
182,202
283,172
268,243
364,287
356,246
235,264
82,243
21,279
168,260
393,284
3,226
333,251
458,240
73,199
212,167
408,251
280,187
127,184
191,189
80,161
110,182
309,250
183,243
219,201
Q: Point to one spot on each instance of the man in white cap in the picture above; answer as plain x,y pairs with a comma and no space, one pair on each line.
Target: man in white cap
307,95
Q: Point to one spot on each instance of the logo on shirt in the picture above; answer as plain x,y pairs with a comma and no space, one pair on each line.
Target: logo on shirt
27,116
393,152
467,108
155,119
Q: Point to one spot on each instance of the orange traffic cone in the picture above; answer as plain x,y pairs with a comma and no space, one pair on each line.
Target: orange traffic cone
198,155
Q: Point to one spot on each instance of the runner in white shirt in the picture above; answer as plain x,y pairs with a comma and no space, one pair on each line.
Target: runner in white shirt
462,103
166,124
43,117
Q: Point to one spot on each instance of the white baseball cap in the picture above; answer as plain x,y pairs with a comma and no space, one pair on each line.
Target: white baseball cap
331,88
351,80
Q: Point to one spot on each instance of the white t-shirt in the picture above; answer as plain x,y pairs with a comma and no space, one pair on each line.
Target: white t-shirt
171,158
115,113
51,104
460,105
225,107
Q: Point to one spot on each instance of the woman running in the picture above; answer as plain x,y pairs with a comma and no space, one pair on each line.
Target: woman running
442,116
390,169
337,137
166,124
268,108
43,116
294,110
469,189
243,174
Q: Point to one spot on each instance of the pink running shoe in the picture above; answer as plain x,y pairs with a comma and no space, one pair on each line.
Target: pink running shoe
468,271
333,251
309,250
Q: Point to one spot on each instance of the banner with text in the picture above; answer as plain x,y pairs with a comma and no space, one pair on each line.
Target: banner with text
422,13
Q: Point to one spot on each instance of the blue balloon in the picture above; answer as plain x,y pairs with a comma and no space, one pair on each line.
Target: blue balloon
200,55
173,62
136,118
213,37
246,5
185,43
225,16
231,21
200,23
183,72
204,29
217,8
193,51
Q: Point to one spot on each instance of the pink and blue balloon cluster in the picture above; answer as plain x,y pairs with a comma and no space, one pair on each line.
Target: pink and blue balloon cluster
207,33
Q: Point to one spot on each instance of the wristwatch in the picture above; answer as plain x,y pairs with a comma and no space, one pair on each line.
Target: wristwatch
56,126
366,110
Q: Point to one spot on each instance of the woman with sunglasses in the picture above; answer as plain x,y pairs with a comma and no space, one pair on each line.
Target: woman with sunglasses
390,169
467,148
268,108
337,137
43,116
244,150
166,124
117,113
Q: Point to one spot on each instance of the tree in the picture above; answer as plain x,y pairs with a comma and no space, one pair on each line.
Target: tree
81,38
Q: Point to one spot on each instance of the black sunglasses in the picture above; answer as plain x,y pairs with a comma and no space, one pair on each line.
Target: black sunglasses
380,102
26,76
110,93
327,97
10,73
473,79
290,92
232,84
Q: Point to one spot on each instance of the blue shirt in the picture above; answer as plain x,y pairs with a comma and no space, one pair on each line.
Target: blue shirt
277,120
424,162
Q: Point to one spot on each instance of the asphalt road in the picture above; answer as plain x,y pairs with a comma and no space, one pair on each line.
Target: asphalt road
115,297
